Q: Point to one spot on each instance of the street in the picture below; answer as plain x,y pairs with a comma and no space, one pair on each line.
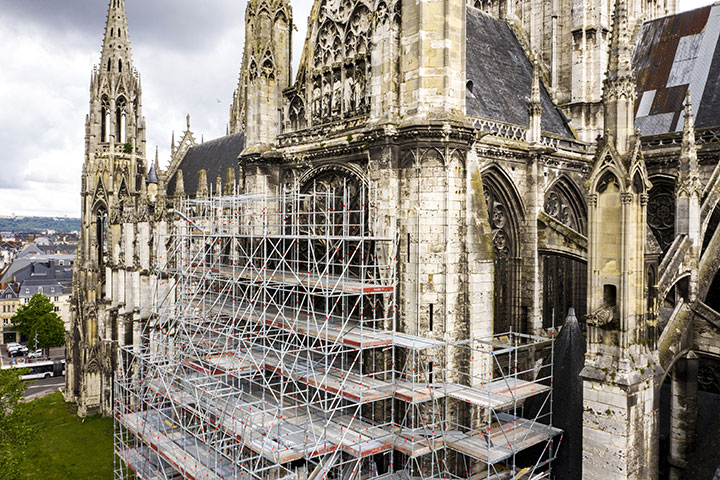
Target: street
40,387
43,386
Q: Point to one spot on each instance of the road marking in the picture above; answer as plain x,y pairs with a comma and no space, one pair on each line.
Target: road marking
48,385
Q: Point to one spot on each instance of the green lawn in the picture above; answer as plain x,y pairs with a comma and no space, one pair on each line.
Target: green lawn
65,447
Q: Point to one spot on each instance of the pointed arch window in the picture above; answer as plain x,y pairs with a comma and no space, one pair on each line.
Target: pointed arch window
109,64
504,215
661,211
120,66
104,119
101,219
121,120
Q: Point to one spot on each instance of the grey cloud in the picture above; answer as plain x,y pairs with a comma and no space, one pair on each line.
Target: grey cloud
172,24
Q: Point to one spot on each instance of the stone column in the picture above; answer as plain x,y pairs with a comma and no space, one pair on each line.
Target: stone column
683,414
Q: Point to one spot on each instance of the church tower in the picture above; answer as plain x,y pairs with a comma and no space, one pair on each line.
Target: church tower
620,420
265,73
115,205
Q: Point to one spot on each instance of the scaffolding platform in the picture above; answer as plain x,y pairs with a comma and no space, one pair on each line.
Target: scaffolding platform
330,328
502,439
498,395
144,465
276,355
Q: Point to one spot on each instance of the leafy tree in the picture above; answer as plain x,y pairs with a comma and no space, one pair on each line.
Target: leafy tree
37,317
16,428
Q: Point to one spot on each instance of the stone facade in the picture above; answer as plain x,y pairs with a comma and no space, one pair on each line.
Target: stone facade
507,214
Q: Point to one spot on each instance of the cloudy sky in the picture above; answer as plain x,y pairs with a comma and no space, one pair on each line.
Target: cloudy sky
188,53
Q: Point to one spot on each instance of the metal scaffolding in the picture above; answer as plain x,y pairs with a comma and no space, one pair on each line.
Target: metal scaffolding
273,353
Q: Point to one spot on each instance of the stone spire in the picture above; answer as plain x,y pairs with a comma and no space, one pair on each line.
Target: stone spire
689,187
265,73
116,90
534,132
154,168
229,181
688,153
202,187
619,86
179,184
116,56
237,109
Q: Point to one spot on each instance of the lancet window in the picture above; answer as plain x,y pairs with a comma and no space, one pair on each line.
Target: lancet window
121,120
104,119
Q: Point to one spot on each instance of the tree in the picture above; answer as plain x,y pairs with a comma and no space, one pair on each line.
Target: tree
16,428
37,319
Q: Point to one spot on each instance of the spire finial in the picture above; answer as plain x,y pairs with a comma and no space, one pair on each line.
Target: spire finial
188,122
179,184
534,133
116,56
619,86
688,152
152,176
689,119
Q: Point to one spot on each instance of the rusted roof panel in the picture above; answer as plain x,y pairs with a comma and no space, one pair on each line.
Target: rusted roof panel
676,54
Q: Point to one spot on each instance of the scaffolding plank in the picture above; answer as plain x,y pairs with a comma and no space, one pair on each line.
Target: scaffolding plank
504,437
416,446
498,395
329,328
179,458
414,392
144,466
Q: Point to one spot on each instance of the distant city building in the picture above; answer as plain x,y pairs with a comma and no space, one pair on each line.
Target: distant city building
9,303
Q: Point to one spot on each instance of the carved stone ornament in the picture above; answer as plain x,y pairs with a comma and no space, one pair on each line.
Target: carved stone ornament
602,317
143,213
115,213
128,212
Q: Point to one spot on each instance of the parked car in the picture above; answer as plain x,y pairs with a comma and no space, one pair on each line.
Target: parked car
36,354
17,350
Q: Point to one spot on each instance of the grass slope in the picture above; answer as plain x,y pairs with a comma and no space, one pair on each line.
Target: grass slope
65,447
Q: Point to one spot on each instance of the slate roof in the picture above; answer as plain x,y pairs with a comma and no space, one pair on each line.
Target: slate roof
19,265
215,156
501,76
674,54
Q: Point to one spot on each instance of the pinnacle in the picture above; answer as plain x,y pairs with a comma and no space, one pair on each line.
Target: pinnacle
116,56
620,58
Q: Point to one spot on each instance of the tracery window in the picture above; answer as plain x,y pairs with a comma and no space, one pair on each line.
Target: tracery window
504,234
709,375
297,113
562,202
564,284
661,212
341,63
